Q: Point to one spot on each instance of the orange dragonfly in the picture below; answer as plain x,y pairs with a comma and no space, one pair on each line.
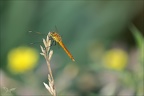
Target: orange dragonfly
56,37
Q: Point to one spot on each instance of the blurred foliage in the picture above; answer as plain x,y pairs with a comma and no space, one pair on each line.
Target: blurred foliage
140,44
139,40
93,33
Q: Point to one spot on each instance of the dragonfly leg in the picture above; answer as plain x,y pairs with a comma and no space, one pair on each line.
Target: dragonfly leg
53,42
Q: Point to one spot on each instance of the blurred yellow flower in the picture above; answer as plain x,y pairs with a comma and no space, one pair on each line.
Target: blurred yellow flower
116,59
22,59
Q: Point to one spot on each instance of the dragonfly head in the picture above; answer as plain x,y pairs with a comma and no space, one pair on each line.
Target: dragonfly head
51,34
55,36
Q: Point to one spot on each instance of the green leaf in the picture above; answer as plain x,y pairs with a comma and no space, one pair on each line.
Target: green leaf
139,40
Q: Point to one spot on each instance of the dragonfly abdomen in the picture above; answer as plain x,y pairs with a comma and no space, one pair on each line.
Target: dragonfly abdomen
66,50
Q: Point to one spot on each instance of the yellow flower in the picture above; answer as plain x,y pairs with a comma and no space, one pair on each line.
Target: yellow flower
22,59
116,59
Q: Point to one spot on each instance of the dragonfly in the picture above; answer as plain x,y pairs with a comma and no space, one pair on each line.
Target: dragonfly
57,38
